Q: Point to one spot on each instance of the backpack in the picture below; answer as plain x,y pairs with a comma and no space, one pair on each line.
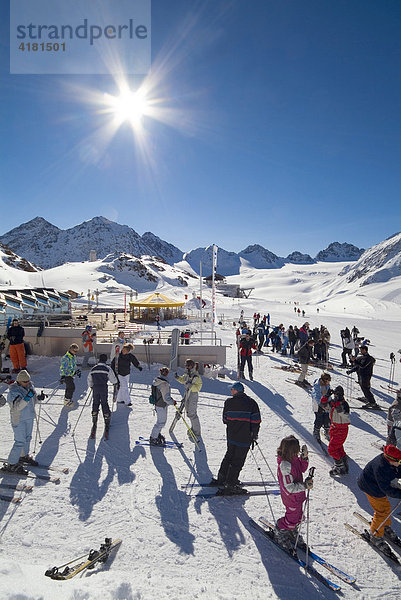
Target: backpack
155,395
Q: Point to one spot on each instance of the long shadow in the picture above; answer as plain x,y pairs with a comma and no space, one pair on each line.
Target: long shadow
289,581
280,406
85,490
173,514
50,446
356,421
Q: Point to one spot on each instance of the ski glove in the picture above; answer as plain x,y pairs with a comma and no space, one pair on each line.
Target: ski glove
308,483
29,395
304,452
140,368
78,373
62,379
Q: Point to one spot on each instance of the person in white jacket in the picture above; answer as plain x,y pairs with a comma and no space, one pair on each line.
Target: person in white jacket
193,385
21,399
161,393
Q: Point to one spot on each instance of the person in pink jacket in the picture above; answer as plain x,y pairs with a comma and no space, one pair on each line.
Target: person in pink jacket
291,466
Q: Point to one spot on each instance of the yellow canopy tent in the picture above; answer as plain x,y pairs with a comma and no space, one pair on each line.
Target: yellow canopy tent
156,305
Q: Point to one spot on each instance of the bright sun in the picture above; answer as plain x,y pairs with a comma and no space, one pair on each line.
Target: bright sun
129,106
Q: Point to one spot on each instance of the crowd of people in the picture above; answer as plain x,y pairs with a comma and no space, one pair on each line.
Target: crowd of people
241,414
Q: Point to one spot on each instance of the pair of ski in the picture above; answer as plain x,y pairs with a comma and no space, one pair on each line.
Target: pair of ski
74,567
19,487
218,491
303,386
365,536
376,408
142,441
269,533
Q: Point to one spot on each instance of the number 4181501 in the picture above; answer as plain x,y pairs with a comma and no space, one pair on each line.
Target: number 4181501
42,47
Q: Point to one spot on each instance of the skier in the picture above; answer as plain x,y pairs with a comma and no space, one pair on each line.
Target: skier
340,421
292,338
247,344
98,377
354,332
304,333
15,334
88,339
68,370
378,480
21,399
122,368
394,422
320,393
161,390
291,466
305,355
242,417
193,385
261,335
348,347
363,364
117,345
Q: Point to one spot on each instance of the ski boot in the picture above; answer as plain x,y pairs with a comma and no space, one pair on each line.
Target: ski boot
250,377
391,535
17,469
94,425
107,420
68,402
327,433
232,490
379,543
28,460
371,406
155,441
284,538
345,461
338,468
161,438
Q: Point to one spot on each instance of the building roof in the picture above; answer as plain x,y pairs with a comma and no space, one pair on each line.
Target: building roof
157,300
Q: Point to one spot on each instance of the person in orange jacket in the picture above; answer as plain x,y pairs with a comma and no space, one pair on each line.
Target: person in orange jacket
88,339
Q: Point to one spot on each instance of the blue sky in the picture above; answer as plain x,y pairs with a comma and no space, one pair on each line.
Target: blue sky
285,130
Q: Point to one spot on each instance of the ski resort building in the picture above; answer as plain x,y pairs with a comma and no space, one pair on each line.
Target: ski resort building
156,305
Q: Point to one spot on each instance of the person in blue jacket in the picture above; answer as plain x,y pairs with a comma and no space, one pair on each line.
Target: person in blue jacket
242,416
21,399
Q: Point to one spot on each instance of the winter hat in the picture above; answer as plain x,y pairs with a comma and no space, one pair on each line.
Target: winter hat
23,376
392,453
88,327
237,386
339,391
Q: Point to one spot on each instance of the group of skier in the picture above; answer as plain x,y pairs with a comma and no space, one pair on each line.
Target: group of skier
241,415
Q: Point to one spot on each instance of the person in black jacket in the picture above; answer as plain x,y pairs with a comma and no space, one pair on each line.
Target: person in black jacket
305,355
98,378
15,334
363,365
242,417
122,368
379,479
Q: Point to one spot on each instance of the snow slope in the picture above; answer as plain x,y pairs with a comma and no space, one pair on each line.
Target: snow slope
176,546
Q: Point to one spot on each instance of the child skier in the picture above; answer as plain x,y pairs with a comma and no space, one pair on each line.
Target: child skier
340,421
291,466
378,480
320,405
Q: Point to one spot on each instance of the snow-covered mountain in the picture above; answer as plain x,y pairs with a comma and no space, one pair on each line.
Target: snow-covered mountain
47,245
228,263
299,259
9,258
336,252
260,258
377,264
159,247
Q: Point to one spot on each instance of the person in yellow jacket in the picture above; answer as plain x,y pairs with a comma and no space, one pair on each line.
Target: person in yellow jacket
193,384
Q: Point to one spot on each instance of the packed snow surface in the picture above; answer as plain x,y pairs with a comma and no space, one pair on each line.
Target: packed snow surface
176,546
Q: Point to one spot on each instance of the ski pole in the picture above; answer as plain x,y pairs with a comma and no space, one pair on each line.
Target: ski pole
80,414
264,485
386,519
392,368
191,433
306,506
264,458
37,434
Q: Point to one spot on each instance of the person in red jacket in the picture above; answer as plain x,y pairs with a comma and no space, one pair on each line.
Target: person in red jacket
247,344
340,422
